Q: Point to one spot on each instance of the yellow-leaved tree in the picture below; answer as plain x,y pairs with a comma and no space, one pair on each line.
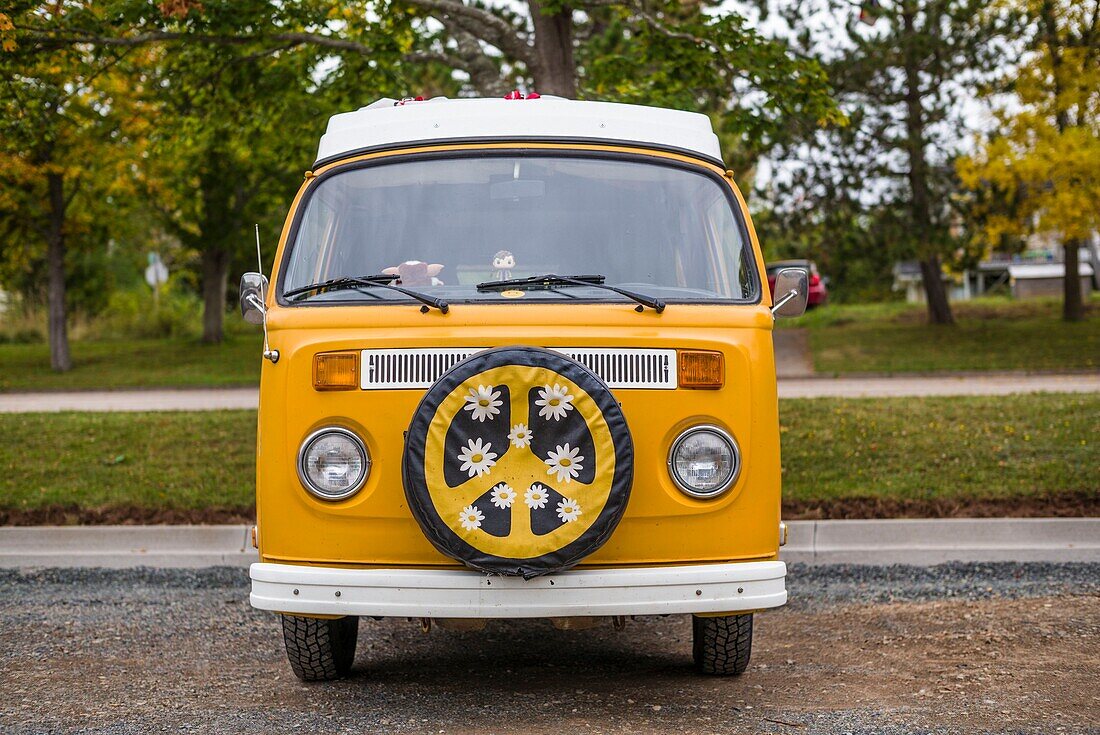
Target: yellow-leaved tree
1039,170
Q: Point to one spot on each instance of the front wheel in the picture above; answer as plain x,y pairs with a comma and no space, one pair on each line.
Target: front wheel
320,650
722,645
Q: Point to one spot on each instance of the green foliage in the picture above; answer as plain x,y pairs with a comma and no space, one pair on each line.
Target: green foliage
67,123
218,104
223,102
22,336
135,314
883,187
853,247
695,57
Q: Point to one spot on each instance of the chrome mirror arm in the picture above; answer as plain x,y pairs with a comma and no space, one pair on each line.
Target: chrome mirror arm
257,303
253,299
792,294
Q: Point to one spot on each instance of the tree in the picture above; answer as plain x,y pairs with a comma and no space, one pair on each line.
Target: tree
696,55
701,56
1039,170
222,66
233,111
226,151
821,217
900,81
62,150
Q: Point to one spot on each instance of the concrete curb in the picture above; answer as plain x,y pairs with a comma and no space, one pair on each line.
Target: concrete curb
925,542
126,546
875,542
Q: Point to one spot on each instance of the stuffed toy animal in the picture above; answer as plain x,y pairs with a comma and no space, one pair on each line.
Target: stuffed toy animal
416,273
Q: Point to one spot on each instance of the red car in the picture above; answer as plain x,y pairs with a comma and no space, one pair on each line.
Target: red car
819,294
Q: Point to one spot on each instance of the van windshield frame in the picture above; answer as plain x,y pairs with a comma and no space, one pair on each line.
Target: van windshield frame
748,266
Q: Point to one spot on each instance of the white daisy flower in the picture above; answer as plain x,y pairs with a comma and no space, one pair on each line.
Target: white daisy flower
555,402
503,496
476,458
483,402
520,436
564,463
568,510
471,518
536,497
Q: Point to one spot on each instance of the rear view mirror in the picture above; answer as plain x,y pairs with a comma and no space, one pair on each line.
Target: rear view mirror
253,291
517,189
791,292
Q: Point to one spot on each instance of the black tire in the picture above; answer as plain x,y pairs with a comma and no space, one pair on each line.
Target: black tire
722,646
320,650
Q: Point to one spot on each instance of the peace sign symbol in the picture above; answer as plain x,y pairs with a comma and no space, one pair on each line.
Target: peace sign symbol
518,461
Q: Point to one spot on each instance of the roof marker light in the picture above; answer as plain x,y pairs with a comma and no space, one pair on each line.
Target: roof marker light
515,94
405,100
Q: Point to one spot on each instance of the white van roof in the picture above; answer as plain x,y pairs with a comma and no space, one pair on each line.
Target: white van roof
388,122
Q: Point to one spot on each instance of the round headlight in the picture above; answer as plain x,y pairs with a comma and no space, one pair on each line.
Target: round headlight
333,463
704,461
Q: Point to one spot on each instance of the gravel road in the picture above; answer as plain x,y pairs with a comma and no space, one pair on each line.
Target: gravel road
956,648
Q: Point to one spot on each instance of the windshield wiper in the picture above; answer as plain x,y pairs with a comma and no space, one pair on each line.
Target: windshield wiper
596,281
381,280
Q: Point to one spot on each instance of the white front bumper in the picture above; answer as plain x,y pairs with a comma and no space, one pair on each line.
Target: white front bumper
453,593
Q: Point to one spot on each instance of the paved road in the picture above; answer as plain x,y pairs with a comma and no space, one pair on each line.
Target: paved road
209,399
960,648
793,357
200,399
955,385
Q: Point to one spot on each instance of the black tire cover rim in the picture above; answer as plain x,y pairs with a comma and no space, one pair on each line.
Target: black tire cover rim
518,461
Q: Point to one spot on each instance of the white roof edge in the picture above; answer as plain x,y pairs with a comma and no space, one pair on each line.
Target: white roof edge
384,123
1045,270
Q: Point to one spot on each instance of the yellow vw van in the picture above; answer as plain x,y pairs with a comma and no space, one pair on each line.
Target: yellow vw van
518,364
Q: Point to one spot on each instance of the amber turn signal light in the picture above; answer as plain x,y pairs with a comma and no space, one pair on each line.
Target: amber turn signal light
336,371
700,369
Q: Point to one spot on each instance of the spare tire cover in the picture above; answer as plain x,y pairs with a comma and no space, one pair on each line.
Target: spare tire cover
518,461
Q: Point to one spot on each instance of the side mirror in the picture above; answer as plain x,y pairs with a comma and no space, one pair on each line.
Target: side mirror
791,292
253,291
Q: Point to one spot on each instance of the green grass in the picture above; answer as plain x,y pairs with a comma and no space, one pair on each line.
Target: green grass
991,334
1012,448
92,460
134,364
949,448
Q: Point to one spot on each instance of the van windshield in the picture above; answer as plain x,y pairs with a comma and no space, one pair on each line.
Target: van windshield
443,225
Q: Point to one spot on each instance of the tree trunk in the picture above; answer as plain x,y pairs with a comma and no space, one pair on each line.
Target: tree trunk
920,207
60,359
215,276
939,309
1073,307
554,72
